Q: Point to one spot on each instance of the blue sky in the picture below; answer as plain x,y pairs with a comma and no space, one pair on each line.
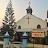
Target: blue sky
39,8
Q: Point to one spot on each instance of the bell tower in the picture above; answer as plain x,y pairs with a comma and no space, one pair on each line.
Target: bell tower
29,9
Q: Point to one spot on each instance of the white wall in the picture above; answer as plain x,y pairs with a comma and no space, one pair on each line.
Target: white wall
33,22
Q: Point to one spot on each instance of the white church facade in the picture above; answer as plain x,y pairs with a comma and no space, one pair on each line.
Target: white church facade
31,23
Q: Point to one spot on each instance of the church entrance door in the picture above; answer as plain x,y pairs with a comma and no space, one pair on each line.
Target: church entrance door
18,36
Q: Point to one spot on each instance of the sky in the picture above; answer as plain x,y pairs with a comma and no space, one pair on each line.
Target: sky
39,8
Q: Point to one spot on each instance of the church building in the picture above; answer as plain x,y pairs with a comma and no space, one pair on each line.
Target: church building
31,24
30,21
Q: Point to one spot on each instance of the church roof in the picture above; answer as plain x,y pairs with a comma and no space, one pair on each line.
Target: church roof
28,30
29,7
23,30
31,15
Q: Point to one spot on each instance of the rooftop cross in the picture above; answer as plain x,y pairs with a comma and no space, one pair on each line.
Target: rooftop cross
29,3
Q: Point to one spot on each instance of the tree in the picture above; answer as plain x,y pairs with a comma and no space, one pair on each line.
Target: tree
9,23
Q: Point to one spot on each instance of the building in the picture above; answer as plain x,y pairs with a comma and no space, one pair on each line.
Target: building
31,23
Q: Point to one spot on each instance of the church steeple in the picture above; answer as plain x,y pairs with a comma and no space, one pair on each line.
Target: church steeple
29,9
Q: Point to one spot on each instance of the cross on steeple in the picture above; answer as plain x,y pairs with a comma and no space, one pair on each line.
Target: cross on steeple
29,3
29,9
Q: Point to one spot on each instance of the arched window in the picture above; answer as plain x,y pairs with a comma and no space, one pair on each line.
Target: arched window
38,26
19,27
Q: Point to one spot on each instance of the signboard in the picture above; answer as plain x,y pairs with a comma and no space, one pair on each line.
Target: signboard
38,34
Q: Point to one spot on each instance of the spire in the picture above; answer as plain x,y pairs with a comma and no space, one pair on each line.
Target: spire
29,9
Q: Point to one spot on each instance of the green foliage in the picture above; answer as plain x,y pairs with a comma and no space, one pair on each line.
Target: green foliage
9,23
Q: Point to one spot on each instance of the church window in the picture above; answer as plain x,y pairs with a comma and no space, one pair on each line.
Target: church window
38,26
19,27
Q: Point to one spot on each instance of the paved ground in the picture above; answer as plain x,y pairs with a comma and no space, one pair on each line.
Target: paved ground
37,45
30,45
16,44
